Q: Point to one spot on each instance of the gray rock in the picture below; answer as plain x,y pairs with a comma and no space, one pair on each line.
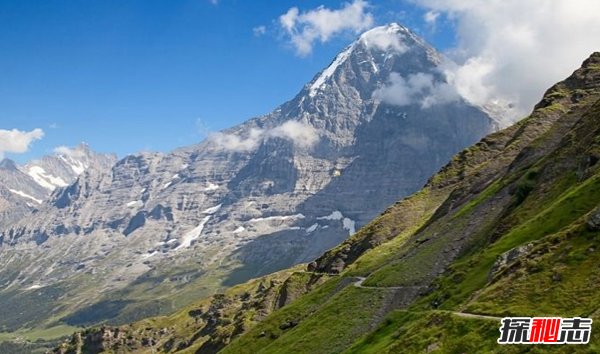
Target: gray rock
593,221
509,257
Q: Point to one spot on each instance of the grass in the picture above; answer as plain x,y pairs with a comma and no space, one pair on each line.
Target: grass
444,332
410,270
475,269
488,192
335,325
267,331
564,265
35,334
376,257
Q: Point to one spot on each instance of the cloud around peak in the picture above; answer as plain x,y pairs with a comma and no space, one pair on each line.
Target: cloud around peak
420,88
303,29
511,51
302,135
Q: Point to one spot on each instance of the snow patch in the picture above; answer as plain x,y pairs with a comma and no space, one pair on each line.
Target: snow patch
335,215
278,217
211,187
239,229
45,180
77,166
135,203
190,236
34,286
212,210
349,225
25,195
150,254
327,73
312,228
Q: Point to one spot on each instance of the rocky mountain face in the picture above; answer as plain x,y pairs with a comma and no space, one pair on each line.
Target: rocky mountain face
509,227
158,230
24,188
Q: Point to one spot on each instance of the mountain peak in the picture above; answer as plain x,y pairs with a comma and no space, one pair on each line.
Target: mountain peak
391,37
390,28
594,58
319,82
8,164
373,55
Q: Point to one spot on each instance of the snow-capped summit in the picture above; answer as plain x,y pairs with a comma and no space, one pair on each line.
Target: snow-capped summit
374,54
24,188
63,167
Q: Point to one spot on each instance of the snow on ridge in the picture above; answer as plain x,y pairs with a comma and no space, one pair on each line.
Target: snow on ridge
386,38
77,166
25,195
44,179
212,210
327,73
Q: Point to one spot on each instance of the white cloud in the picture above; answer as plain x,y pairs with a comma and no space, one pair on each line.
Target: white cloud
384,38
420,88
17,141
397,92
512,50
202,128
322,24
431,17
259,31
300,134
237,143
67,151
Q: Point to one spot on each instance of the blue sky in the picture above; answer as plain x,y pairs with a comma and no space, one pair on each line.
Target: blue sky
134,75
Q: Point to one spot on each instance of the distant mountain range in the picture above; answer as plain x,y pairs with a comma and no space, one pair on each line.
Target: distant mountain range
24,188
153,231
